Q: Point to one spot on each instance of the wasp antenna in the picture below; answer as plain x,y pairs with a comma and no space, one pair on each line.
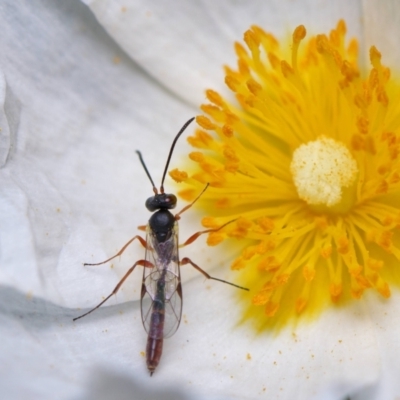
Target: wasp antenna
147,171
171,150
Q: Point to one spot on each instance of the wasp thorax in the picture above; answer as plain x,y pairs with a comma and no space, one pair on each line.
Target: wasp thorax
161,201
161,225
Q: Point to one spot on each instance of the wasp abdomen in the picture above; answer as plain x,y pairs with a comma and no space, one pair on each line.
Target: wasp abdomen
153,353
156,333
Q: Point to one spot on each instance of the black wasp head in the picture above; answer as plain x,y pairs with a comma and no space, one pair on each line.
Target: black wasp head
162,201
162,221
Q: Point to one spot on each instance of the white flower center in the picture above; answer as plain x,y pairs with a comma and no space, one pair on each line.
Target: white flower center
321,169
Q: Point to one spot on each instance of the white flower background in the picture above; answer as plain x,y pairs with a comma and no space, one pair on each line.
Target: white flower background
83,85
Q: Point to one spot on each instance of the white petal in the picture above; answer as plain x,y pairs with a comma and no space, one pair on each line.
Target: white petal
384,314
382,29
185,45
102,352
74,117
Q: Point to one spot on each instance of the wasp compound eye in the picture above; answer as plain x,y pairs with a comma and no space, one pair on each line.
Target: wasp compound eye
161,202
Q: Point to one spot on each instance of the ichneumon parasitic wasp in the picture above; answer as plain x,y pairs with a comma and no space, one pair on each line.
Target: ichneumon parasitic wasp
161,293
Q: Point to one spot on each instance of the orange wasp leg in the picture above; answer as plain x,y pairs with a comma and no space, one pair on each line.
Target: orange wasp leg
143,263
187,260
141,240
197,234
178,216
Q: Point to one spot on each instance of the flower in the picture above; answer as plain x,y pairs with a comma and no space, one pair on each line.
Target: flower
82,87
307,168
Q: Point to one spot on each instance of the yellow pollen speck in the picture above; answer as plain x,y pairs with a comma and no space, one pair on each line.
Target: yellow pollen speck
304,173
321,169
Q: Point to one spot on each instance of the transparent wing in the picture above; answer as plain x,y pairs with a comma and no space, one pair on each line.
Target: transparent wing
161,286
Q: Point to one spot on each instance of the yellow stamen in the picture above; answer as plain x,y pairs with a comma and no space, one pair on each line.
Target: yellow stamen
305,167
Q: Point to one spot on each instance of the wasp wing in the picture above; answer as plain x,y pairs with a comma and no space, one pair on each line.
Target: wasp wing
161,286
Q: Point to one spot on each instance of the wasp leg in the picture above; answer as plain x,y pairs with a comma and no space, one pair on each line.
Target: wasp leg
178,216
186,260
143,263
141,240
197,234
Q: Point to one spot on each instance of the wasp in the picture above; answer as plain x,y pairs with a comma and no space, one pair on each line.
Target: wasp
161,292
